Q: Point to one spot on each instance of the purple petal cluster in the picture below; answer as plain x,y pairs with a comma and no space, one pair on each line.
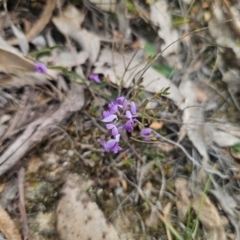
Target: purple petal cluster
111,145
40,68
121,114
145,133
95,78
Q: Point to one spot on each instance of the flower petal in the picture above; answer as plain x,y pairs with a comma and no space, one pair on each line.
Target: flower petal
147,139
129,125
102,143
110,126
120,100
95,78
111,104
40,68
113,109
106,113
133,108
146,132
128,114
114,131
116,148
109,118
125,104
117,138
110,144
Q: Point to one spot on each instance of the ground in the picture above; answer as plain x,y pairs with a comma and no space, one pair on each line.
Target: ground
167,166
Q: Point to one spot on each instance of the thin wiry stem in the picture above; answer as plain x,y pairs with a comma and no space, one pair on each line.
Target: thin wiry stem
189,156
163,186
160,53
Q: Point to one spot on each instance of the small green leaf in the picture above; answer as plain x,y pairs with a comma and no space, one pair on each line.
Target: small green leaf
58,68
166,71
179,20
165,91
149,50
236,148
128,162
42,54
67,72
45,51
73,75
131,8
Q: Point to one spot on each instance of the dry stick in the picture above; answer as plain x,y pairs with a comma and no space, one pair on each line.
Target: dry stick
161,215
210,78
70,140
65,34
141,222
138,174
164,183
128,65
121,204
95,122
21,180
40,24
231,214
15,8
133,149
169,236
36,130
186,27
189,156
160,54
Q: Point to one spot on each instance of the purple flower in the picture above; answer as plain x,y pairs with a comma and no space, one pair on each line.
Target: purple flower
40,68
95,78
120,102
134,108
108,117
127,112
111,145
129,115
145,133
129,124
113,128
113,108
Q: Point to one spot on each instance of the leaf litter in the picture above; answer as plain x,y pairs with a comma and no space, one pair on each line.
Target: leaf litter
182,184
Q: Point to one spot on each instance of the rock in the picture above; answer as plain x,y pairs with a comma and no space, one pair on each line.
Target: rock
78,217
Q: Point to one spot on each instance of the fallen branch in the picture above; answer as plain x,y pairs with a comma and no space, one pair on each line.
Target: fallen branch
40,24
38,129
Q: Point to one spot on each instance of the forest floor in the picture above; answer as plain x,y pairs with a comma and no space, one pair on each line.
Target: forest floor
119,120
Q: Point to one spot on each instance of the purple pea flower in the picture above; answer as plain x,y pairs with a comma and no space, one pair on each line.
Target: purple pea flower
95,78
111,145
40,68
113,108
145,133
113,128
108,117
129,124
118,107
129,115
120,102
134,108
